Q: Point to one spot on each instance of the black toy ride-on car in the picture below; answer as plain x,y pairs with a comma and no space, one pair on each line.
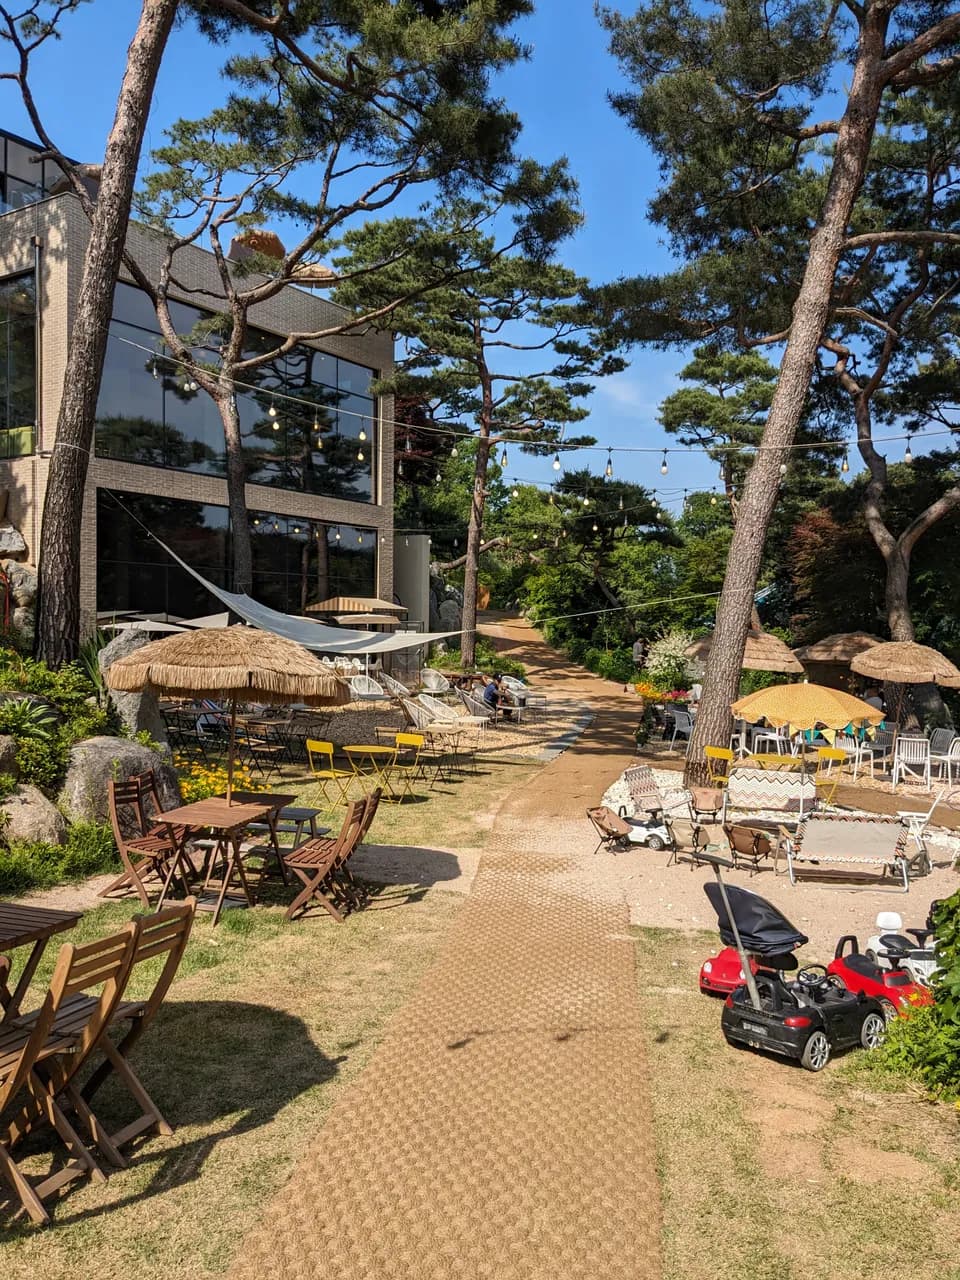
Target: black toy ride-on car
806,1018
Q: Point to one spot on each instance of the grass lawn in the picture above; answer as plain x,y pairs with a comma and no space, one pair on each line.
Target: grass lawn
772,1173
263,1026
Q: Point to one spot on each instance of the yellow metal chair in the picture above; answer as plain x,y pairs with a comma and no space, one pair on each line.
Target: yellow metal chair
405,765
719,761
827,779
320,756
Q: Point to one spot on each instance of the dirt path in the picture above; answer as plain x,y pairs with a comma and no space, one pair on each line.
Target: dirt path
503,1127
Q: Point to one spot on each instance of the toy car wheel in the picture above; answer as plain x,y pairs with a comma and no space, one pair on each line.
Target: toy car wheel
873,1032
816,1052
889,1010
655,843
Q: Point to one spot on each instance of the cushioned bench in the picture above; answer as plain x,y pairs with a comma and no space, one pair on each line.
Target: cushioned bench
749,790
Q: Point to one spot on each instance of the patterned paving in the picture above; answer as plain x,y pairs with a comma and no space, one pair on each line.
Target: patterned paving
502,1127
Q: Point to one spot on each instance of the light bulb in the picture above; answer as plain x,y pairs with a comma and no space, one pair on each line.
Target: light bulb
399,470
713,499
550,499
272,411
586,501
319,444
908,455
454,452
316,423
256,520
608,469
362,435
663,465
844,465
438,477
359,455
503,458
783,468
563,533
556,462
337,534
620,503
296,528
456,543
595,526
408,447
276,526
656,504
515,492
276,426
360,539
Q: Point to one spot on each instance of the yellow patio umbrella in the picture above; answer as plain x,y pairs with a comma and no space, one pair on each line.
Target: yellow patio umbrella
239,663
805,706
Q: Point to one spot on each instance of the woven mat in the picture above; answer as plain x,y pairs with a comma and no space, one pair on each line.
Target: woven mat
502,1129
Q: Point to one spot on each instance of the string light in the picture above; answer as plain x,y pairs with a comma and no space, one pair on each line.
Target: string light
515,492
400,470
454,452
595,526
783,468
844,465
337,534
360,539
256,519
664,468
713,498
503,457
408,447
608,469
276,425
362,434
438,477
586,500
550,498
556,460
620,504
908,453
272,411
359,455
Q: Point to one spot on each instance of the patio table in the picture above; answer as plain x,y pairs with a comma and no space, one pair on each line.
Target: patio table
227,823
19,927
379,759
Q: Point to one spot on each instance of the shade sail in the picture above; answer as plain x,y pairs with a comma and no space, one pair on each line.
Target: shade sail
805,706
764,652
904,662
302,631
841,648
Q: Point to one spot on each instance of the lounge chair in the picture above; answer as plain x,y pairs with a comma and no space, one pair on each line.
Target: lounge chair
364,689
614,831
434,681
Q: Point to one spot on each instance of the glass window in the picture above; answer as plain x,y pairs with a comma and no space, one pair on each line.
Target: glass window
295,562
18,365
354,378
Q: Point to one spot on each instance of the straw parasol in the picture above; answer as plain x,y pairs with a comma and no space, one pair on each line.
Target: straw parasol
839,649
355,604
239,663
905,662
764,652
805,706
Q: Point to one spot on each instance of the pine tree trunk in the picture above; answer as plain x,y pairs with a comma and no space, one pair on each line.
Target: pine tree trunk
237,495
471,567
58,598
722,678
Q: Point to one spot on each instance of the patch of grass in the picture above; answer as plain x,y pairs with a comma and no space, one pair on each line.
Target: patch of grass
769,1171
89,850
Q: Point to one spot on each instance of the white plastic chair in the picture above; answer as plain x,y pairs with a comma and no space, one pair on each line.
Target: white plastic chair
394,686
853,749
911,759
366,690
682,726
950,762
434,681
532,701
941,740
917,823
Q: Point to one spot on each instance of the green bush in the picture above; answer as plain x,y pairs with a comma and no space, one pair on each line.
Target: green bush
612,664
42,762
926,1045
22,719
487,659
89,850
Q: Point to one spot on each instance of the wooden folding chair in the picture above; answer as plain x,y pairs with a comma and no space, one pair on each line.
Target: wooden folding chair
341,868
613,831
313,863
145,854
38,1061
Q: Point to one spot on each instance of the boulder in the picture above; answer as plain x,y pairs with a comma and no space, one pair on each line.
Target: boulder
23,582
97,761
31,816
449,616
24,622
136,710
11,540
8,755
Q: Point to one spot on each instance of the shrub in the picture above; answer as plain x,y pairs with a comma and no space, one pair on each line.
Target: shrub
199,781
926,1044
22,719
42,762
487,659
89,850
667,663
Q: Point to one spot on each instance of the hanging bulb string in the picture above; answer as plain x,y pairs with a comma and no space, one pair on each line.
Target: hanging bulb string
464,434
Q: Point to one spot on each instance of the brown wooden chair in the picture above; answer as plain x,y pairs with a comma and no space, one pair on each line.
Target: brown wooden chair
165,933
748,846
614,831
314,861
341,870
38,1062
146,851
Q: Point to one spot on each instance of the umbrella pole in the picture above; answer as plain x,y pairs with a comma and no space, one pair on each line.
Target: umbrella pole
744,961
233,739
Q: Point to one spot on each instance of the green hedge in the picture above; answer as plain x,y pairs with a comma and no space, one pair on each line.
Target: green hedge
89,850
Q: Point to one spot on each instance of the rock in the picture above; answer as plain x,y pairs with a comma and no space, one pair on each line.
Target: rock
97,761
24,622
137,711
23,582
8,755
11,540
31,816
449,616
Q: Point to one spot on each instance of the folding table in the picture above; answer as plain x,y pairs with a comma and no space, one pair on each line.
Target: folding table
19,927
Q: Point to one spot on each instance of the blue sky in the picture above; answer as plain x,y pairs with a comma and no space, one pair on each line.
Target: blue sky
560,95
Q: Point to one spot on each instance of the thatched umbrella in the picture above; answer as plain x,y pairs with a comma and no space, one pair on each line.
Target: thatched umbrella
839,649
239,663
905,662
764,652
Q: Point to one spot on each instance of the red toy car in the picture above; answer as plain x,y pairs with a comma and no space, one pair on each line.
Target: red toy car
723,972
894,988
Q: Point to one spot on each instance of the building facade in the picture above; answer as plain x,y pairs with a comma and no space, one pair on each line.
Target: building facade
318,447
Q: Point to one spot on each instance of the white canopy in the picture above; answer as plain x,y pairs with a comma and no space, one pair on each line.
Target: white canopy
312,635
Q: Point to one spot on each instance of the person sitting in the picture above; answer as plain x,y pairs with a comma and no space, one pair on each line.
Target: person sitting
873,697
494,695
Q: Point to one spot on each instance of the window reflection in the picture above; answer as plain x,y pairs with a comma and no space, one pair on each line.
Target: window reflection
307,422
296,562
18,365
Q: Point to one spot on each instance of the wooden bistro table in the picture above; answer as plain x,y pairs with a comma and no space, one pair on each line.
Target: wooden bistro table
19,927
226,823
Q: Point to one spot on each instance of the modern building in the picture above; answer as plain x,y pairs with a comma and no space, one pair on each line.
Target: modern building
318,446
